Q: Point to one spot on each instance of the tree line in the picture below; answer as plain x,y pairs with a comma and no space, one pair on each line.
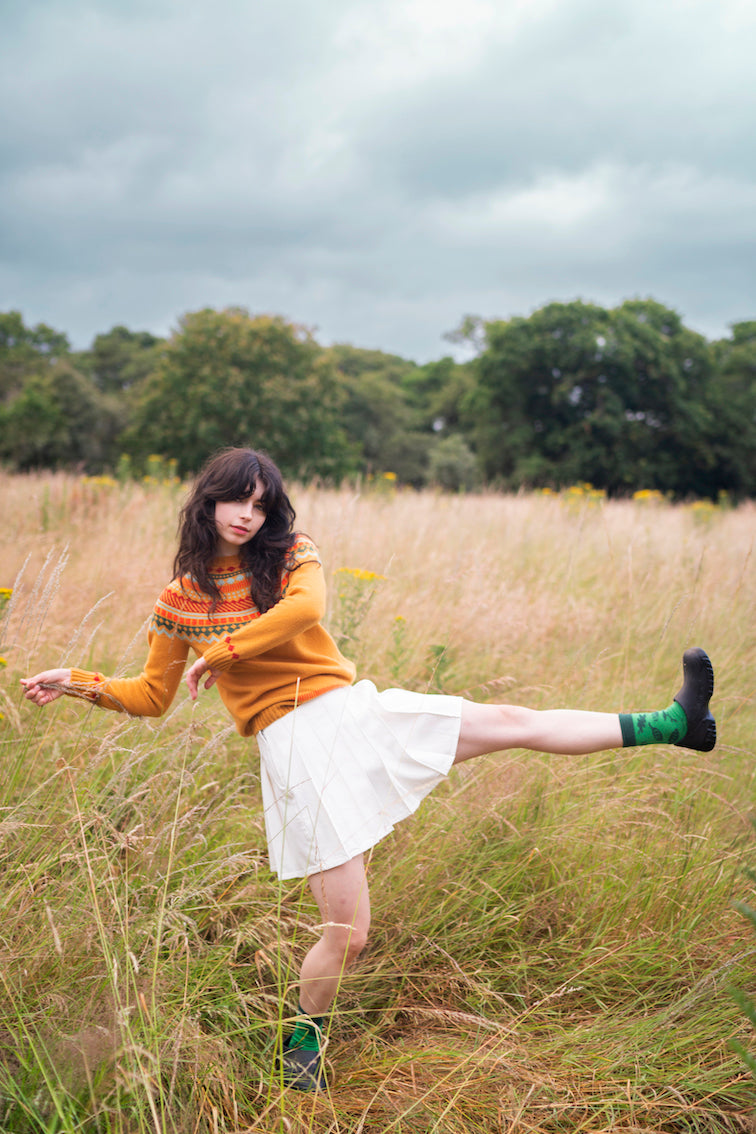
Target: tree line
623,398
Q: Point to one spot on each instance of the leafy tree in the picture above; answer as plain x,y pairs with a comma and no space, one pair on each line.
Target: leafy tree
378,415
26,350
452,464
230,378
733,410
440,392
471,334
120,359
51,415
59,419
616,397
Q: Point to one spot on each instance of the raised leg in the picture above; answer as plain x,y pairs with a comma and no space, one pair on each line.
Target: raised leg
687,722
570,732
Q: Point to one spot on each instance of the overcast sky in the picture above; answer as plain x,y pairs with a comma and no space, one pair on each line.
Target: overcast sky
375,169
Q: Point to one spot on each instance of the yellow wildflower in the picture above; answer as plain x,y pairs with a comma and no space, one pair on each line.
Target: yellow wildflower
101,481
648,496
361,574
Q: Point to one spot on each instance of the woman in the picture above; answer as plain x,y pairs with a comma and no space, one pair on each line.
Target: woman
340,762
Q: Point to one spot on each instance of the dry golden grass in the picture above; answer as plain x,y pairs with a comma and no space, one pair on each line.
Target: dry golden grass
541,595
553,938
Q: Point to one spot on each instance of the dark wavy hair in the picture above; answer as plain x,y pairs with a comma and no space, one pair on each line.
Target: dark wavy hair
234,474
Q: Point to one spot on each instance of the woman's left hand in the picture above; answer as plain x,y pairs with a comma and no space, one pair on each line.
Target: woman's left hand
194,674
47,686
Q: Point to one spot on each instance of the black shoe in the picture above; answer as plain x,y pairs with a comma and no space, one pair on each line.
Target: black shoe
303,1070
694,697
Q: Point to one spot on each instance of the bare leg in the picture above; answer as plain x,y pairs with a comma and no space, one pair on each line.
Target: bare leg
569,732
344,903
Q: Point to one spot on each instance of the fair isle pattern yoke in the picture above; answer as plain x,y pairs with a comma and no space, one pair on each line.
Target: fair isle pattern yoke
182,610
265,664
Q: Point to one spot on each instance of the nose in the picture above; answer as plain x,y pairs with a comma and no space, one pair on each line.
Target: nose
246,509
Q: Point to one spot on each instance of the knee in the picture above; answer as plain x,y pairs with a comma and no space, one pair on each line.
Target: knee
356,942
514,717
492,728
351,941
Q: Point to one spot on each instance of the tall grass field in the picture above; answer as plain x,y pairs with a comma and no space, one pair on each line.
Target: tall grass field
556,945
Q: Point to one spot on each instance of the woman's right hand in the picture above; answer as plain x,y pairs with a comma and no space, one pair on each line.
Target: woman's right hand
46,686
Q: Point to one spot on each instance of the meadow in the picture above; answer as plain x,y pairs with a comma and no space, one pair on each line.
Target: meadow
555,939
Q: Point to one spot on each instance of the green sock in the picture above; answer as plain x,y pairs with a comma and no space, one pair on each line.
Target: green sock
306,1034
667,726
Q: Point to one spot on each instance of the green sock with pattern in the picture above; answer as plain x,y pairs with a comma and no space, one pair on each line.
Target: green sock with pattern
307,1032
667,726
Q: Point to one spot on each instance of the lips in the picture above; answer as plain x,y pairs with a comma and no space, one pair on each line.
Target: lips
239,531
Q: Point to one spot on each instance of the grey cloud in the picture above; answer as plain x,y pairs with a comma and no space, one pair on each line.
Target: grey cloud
645,93
357,167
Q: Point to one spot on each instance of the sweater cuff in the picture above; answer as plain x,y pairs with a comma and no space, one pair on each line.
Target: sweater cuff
85,684
222,655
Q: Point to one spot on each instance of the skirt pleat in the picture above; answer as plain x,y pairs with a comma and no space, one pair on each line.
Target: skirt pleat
338,772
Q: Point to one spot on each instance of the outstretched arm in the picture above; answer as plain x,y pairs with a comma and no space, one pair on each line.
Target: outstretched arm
148,695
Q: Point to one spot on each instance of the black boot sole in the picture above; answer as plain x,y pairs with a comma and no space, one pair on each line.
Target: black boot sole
697,690
302,1070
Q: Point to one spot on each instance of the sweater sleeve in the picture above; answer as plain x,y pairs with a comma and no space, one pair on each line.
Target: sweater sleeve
148,695
302,606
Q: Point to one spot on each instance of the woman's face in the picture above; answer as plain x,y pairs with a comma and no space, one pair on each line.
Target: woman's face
239,521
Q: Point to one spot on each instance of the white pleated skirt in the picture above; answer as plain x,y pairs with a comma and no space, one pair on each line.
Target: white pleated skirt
341,770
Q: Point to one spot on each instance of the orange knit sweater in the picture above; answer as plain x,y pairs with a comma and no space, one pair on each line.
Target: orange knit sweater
266,663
